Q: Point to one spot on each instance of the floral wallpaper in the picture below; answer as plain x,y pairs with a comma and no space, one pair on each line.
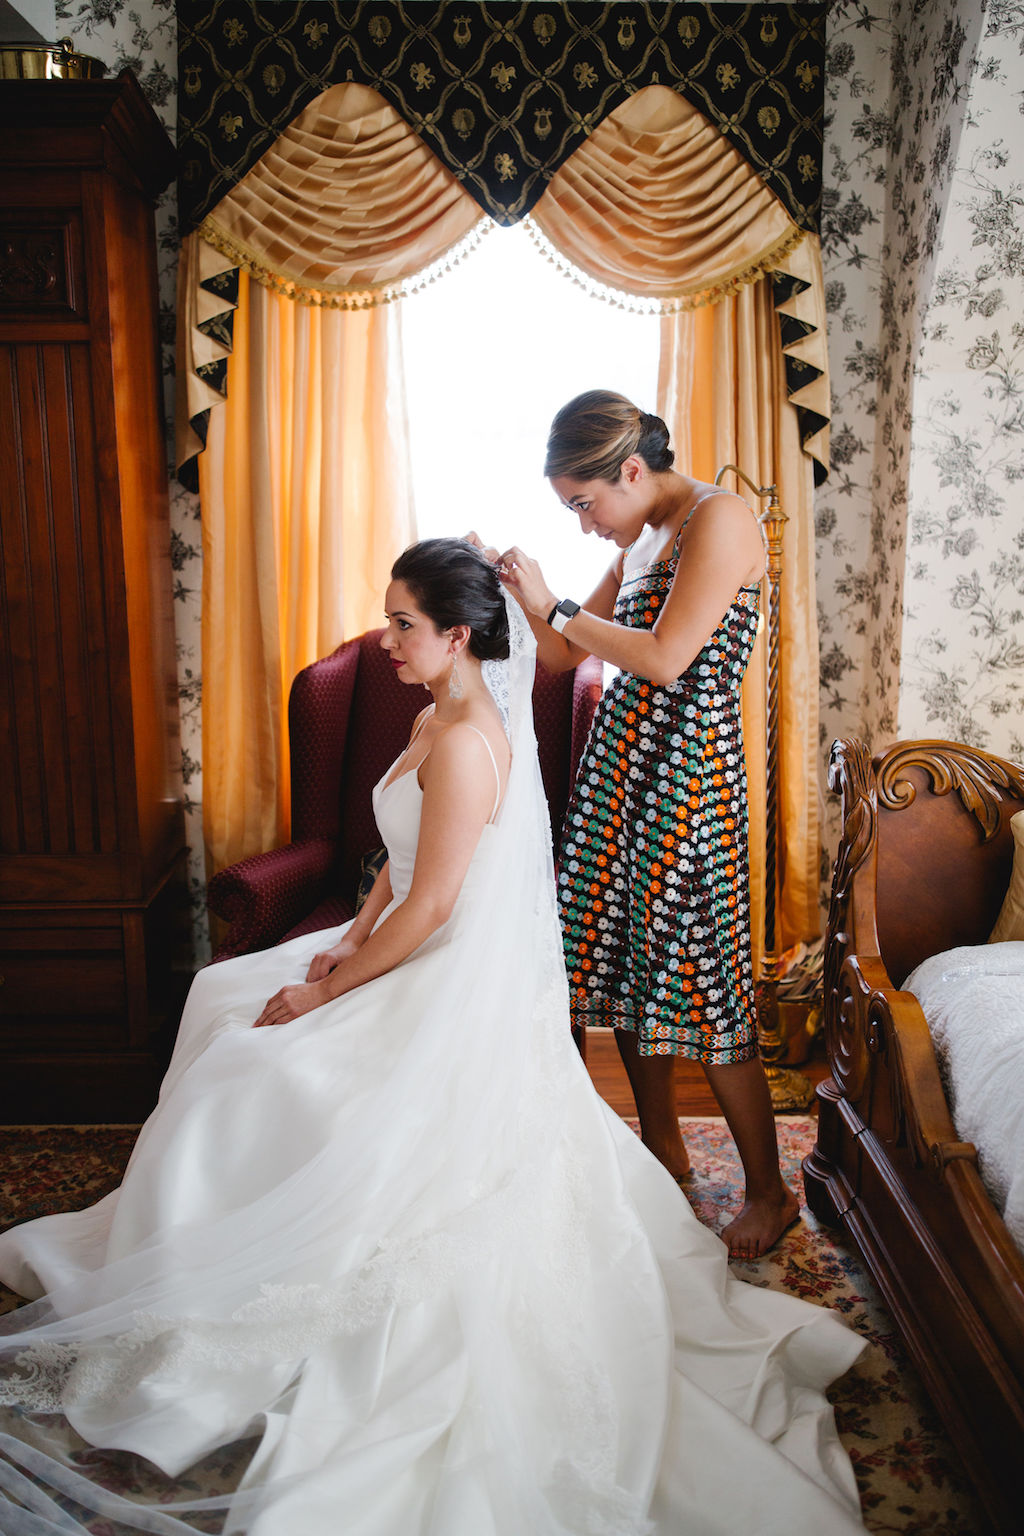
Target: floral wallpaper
923,247
920,543
931,54
857,136
899,87
963,628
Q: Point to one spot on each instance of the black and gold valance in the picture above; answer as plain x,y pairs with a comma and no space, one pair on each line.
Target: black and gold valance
502,93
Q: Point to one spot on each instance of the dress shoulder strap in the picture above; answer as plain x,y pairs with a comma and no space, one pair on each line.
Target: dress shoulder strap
706,497
494,765
426,715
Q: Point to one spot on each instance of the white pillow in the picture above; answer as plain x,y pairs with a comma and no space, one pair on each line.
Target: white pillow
1010,922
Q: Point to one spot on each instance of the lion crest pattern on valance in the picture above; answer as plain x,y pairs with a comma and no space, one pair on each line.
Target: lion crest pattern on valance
502,93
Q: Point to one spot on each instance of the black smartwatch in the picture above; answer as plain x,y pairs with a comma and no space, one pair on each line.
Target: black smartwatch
562,612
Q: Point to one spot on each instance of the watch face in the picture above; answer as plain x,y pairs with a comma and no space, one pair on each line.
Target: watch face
568,608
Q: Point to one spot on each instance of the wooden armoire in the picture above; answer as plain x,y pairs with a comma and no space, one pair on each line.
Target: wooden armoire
92,843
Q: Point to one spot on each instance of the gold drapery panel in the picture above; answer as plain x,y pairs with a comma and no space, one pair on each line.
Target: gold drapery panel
306,499
304,483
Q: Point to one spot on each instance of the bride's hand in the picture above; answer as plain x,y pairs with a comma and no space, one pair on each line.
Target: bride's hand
293,1001
525,580
323,963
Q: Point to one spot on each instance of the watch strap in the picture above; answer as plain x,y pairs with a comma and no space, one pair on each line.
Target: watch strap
562,612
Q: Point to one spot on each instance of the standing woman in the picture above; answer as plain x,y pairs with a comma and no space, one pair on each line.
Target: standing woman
653,889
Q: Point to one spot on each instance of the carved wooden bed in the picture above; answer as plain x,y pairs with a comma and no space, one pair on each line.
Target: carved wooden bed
923,866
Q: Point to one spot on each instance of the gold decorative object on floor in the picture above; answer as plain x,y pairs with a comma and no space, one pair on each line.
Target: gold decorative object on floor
790,1091
48,61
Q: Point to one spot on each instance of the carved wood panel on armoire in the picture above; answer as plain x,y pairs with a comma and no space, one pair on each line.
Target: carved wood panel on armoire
92,844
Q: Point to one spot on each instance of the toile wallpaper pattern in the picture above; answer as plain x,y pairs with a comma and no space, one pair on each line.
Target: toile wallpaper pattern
896,86
920,536
963,625
919,531
930,51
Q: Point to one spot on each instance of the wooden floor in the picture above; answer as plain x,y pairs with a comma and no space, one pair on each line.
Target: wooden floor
693,1096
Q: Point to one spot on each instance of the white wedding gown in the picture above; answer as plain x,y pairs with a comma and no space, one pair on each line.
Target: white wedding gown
403,1240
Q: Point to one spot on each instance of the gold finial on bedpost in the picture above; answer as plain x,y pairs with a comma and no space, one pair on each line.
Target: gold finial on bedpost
789,1090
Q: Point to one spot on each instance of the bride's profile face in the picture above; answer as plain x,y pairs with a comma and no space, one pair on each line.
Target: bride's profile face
417,649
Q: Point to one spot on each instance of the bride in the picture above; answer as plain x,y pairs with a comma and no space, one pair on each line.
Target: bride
387,1253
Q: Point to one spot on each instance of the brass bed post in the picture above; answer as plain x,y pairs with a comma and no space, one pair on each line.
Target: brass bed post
789,1090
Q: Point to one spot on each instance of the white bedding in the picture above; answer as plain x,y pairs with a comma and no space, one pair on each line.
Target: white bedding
973,999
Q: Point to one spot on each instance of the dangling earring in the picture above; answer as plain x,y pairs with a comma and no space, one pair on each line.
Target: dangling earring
455,688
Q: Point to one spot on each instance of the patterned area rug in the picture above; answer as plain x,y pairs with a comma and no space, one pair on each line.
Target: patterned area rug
911,1480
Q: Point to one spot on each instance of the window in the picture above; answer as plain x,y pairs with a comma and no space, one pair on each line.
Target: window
492,350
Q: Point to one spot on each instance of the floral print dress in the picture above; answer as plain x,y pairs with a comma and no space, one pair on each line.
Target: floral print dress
654,875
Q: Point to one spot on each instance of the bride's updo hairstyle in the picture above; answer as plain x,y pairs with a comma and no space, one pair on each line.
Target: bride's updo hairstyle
453,583
592,436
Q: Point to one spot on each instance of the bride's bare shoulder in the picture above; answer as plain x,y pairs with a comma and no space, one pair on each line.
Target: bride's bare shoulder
471,747
464,734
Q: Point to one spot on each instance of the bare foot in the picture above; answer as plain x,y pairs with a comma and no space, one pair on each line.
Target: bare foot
760,1224
671,1154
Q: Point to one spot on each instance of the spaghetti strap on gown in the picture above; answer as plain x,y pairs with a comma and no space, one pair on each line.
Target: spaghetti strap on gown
402,1245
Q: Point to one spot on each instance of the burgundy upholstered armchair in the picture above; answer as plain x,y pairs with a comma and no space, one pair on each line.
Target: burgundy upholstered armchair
348,719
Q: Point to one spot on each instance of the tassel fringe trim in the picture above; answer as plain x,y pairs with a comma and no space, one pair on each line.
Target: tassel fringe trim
329,297
670,304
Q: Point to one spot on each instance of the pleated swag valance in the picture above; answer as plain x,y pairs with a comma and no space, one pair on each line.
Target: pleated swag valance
362,196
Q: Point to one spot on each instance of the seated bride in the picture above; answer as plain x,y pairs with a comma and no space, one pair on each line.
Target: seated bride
385,1263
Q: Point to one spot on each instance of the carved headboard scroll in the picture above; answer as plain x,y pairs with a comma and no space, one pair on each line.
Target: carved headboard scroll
929,896
976,777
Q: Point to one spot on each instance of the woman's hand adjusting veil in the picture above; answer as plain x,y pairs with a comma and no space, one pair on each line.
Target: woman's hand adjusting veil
520,575
523,577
